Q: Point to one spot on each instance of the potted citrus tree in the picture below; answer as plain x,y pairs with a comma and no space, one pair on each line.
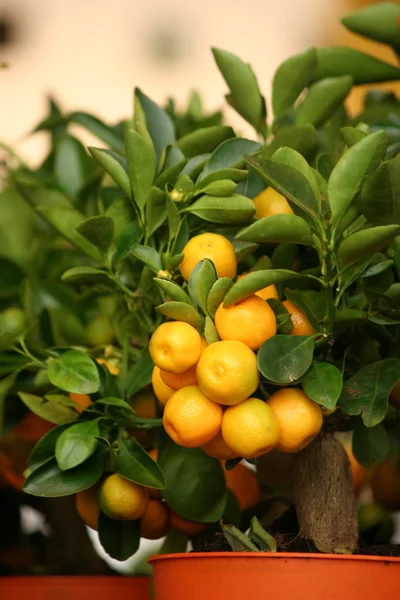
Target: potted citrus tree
194,298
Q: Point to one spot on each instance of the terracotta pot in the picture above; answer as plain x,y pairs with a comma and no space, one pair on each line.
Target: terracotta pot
75,588
281,576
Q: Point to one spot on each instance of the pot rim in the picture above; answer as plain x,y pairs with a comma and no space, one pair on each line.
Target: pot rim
274,556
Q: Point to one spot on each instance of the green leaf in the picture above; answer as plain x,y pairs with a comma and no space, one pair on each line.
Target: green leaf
76,444
322,99
128,237
170,174
174,219
367,391
312,303
352,135
71,165
55,408
290,79
379,200
378,22
119,539
158,123
204,140
365,243
323,384
202,278
141,166
230,174
156,210
245,96
44,450
133,463
49,481
278,229
283,320
173,290
181,311
289,182
99,231
6,385
11,277
288,156
149,256
87,276
221,187
140,374
233,210
337,60
238,541
303,138
200,497
99,129
122,214
210,331
113,167
74,372
370,444
243,249
217,294
350,315
116,403
285,358
228,154
348,175
255,281
262,538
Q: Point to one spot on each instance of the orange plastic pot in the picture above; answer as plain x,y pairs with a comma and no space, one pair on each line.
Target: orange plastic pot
281,576
75,588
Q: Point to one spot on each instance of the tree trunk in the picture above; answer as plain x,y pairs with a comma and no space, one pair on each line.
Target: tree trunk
324,496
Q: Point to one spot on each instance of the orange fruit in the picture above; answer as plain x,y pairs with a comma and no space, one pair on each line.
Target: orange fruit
82,400
242,481
176,381
251,321
250,428
123,499
154,523
213,246
175,346
145,406
269,202
185,525
161,389
218,448
268,292
227,372
359,473
87,505
394,396
301,325
190,418
300,419
385,485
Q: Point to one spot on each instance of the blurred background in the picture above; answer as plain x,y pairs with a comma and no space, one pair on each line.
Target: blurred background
89,54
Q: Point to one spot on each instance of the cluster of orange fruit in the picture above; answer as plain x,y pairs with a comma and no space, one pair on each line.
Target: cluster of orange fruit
207,390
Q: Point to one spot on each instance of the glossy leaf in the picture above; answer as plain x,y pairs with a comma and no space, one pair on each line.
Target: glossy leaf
113,168
210,331
200,497
288,156
87,276
149,256
285,358
133,463
261,537
173,216
156,210
278,229
290,79
232,210
204,140
140,374
255,281
99,231
367,391
378,22
335,61
323,384
170,174
99,129
55,409
365,243
217,294
228,154
228,174
238,541
141,166
379,200
348,175
119,539
322,99
74,372
352,135
44,450
181,311
302,138
173,290
202,279
121,212
245,96
222,187
76,444
370,444
129,236
71,165
158,123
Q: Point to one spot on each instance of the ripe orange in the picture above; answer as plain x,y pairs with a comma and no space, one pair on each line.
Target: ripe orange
190,418
123,499
227,372
268,292
213,246
161,389
301,325
154,523
218,448
360,474
176,381
385,484
144,405
87,505
251,321
300,419
242,481
82,400
175,346
250,428
269,202
185,526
